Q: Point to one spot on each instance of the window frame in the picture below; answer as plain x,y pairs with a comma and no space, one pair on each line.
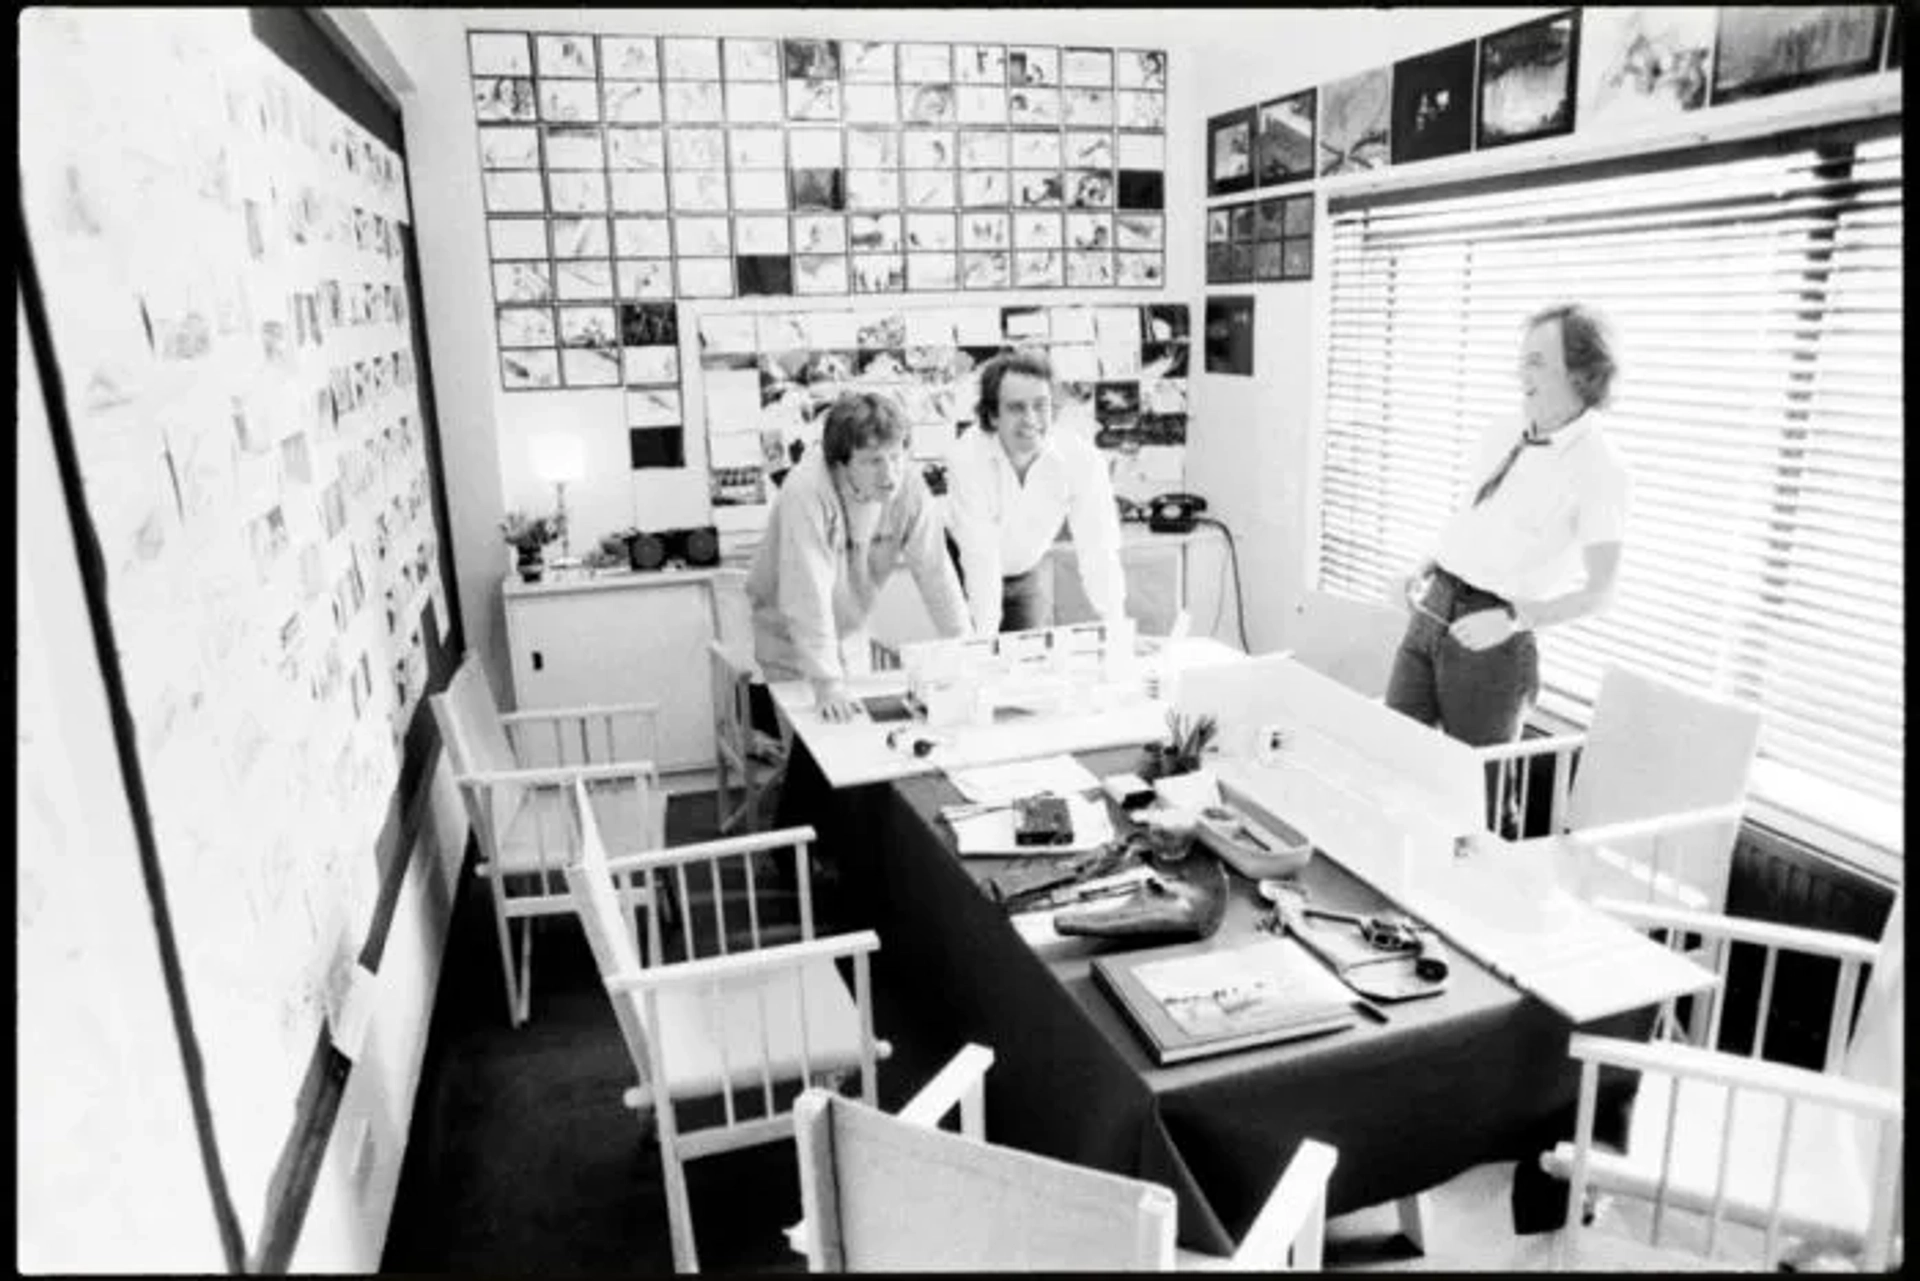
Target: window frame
1853,111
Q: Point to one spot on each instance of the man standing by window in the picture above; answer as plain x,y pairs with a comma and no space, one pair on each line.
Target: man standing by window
1012,483
849,514
1539,543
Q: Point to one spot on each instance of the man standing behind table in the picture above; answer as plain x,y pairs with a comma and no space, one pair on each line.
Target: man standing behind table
1010,485
848,514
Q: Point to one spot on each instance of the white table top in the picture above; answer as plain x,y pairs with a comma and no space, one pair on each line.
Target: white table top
856,753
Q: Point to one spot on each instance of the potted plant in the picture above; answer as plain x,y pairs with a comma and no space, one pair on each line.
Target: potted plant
529,539
1189,738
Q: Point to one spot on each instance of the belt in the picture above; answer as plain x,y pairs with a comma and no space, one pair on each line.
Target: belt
1467,598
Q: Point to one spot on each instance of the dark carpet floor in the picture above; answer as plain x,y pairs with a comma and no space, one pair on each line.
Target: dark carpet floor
521,1156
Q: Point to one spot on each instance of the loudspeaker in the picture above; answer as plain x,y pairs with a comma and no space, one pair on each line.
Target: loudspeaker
697,548
646,551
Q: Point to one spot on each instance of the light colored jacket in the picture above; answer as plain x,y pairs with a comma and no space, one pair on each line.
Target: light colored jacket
820,567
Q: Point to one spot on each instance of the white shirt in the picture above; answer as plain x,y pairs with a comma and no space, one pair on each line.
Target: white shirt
1004,526
1525,542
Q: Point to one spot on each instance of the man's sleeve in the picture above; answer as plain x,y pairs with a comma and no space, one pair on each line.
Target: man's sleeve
1095,523
970,518
932,568
805,591
1602,515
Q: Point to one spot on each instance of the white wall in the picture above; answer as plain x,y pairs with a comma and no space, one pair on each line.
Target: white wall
485,430
1253,445
108,1174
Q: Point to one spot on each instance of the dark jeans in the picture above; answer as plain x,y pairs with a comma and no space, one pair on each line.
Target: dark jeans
1026,600
1477,696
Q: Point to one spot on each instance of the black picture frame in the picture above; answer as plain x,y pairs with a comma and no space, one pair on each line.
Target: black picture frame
1282,153
1433,98
1229,161
1229,334
1760,50
1527,79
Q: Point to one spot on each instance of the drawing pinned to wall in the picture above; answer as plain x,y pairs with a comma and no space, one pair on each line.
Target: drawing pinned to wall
1641,65
1284,144
1230,152
1353,123
1433,104
1762,50
1229,335
1527,79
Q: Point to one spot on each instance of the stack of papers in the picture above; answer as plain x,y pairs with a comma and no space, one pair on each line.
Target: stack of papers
1003,784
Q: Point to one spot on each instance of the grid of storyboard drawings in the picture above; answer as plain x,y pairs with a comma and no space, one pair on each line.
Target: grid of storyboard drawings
767,378
636,168
1270,239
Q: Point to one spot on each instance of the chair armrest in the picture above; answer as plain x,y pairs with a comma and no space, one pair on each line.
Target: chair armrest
959,1082
560,775
1740,929
1670,1058
651,710
1299,1195
1659,824
742,964
1525,747
723,848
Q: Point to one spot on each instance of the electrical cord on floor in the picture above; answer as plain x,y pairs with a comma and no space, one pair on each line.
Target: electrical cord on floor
1233,554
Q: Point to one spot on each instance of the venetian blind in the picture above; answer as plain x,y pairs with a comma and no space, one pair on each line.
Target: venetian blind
1755,292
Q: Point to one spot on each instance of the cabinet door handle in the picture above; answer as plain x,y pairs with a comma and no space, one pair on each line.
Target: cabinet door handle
539,661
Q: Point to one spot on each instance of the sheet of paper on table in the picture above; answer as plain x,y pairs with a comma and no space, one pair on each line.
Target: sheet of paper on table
1000,784
991,834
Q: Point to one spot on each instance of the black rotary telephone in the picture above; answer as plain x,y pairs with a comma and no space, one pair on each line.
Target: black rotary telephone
1175,513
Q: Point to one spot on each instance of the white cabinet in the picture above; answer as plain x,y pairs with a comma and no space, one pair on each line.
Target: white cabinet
619,638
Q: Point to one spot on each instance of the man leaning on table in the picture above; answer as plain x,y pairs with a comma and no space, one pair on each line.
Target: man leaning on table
849,514
1010,486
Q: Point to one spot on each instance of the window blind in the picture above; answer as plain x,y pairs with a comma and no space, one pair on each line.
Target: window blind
1755,294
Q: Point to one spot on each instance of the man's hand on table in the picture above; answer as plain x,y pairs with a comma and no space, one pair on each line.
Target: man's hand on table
835,705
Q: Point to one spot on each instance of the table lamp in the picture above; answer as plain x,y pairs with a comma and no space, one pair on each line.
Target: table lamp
559,459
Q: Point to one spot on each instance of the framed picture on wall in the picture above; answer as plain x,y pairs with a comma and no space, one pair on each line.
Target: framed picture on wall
1283,150
1230,152
1644,64
1229,335
1765,50
1527,76
1433,104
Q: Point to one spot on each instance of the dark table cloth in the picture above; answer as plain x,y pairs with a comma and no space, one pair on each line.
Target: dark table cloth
1478,1073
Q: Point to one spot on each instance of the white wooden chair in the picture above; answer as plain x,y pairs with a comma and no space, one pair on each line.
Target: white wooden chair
746,1021
1651,808
1734,1138
738,779
897,1193
513,769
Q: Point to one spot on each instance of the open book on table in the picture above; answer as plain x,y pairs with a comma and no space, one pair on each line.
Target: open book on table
1188,1005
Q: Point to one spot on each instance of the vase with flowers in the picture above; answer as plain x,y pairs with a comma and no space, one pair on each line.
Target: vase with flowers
529,536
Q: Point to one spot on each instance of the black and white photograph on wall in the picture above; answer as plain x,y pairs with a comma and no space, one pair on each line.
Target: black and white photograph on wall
1228,335
1527,79
1762,50
1643,64
649,447
1353,123
1433,104
1230,152
1283,149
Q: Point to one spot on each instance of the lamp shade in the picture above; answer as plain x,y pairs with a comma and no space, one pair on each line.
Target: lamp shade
558,458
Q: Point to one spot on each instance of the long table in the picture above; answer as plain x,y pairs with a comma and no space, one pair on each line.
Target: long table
1479,1073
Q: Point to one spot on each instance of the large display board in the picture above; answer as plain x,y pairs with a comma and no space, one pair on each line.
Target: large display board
223,273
